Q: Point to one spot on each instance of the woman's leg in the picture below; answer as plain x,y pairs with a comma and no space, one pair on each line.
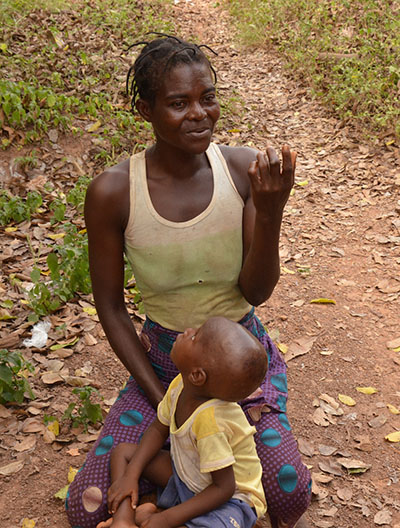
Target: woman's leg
128,418
286,480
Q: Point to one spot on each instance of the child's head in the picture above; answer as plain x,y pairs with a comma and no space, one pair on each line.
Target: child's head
221,359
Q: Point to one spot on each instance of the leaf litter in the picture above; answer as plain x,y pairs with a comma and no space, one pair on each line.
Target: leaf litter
339,231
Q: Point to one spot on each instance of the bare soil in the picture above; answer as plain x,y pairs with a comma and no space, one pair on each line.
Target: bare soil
340,241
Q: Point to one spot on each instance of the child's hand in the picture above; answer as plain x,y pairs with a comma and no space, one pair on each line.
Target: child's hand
119,490
157,520
271,185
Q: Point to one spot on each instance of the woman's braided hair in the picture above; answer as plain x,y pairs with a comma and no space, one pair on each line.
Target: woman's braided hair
156,58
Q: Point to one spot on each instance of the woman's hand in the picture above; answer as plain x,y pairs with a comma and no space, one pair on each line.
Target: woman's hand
119,490
271,184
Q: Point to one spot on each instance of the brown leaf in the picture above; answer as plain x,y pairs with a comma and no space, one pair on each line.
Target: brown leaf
33,425
344,494
51,378
299,347
383,517
27,443
328,513
12,468
378,421
326,450
322,478
320,418
330,467
305,447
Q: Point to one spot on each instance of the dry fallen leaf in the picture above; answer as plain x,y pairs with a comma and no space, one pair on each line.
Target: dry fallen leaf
354,466
326,450
27,443
393,409
13,467
347,400
393,437
320,418
366,390
344,494
394,343
330,467
299,346
383,517
378,421
305,447
322,300
28,523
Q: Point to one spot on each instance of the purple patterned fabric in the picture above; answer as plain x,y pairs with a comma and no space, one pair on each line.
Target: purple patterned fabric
286,481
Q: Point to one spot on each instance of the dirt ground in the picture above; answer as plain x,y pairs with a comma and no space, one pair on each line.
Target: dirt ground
340,242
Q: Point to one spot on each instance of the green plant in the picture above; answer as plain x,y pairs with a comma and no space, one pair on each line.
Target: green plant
17,209
87,412
69,273
346,51
14,386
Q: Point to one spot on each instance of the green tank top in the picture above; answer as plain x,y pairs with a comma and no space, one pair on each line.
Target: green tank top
187,271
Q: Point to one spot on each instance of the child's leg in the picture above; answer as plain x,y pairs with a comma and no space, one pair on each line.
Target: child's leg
158,472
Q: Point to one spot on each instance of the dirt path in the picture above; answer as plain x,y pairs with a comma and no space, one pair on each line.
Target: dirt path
340,241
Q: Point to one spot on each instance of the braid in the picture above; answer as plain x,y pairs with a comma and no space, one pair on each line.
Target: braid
155,59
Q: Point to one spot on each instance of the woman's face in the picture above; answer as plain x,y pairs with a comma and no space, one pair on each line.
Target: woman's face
186,108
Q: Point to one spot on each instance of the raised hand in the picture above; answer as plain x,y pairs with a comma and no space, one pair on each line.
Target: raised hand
270,183
119,490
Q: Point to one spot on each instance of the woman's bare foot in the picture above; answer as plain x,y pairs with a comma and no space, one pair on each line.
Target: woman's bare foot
144,511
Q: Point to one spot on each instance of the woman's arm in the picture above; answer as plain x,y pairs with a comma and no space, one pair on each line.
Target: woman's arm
106,216
269,191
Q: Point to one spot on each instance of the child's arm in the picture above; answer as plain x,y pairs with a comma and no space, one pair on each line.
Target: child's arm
220,491
151,443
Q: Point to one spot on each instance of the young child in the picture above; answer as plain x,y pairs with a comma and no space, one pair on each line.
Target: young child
212,475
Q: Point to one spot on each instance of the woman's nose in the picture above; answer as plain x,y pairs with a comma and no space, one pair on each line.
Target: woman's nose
196,111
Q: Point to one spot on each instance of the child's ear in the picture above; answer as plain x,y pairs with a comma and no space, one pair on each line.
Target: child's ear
198,377
144,109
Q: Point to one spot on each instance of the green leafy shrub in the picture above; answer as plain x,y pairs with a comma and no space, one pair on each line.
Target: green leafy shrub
87,412
69,273
17,209
346,51
14,386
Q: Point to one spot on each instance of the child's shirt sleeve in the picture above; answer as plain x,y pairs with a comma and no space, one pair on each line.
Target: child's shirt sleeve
166,406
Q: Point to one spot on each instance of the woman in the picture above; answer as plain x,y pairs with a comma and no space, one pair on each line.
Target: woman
200,224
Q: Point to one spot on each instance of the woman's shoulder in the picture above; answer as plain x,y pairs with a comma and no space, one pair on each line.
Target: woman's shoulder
238,156
108,193
238,160
112,181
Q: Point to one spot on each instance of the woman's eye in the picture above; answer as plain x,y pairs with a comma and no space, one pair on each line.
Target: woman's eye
178,104
210,98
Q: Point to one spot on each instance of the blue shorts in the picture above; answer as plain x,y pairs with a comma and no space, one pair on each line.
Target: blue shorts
232,514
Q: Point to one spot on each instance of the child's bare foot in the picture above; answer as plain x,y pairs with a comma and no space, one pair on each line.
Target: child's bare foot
144,511
105,524
116,523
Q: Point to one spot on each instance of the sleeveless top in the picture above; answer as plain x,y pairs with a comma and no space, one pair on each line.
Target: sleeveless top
187,271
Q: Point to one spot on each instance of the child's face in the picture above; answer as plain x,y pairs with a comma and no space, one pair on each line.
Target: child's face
187,349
